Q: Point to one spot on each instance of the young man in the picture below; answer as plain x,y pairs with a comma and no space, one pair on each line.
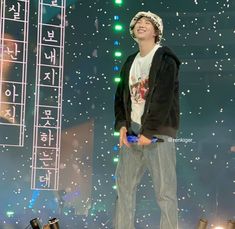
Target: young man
147,106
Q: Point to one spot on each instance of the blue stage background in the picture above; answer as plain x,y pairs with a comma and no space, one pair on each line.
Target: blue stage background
202,34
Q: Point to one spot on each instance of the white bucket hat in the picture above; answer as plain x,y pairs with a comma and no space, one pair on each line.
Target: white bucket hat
155,19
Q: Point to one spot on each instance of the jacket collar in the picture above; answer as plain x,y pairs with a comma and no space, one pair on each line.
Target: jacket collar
155,66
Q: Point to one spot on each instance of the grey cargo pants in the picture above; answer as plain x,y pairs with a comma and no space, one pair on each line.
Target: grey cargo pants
160,160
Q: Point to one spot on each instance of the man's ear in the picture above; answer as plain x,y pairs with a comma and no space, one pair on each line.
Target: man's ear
157,32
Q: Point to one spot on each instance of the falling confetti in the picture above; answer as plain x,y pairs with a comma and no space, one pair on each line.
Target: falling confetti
201,33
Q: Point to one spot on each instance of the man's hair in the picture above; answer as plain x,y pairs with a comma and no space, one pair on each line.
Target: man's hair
153,18
157,38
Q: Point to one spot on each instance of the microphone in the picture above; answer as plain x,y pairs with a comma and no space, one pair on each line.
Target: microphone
135,139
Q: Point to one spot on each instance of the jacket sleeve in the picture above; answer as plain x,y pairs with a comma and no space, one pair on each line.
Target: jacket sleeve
162,99
119,109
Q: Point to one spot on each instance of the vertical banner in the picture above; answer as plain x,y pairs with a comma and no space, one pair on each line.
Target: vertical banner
48,96
14,22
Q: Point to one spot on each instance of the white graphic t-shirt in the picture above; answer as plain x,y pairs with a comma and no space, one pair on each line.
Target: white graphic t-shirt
138,83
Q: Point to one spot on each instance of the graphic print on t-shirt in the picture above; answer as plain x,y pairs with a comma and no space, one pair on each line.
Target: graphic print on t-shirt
139,83
139,90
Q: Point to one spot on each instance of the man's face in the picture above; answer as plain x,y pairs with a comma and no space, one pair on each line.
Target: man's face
144,29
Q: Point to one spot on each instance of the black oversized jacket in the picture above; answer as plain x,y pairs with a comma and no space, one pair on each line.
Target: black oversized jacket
161,112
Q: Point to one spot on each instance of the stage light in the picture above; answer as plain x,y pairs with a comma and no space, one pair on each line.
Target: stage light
117,79
118,2
115,148
116,18
118,27
53,223
114,187
116,68
116,134
10,214
116,43
230,224
115,159
202,224
118,54
35,224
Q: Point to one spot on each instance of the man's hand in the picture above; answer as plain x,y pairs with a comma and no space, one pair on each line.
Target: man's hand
122,138
143,140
